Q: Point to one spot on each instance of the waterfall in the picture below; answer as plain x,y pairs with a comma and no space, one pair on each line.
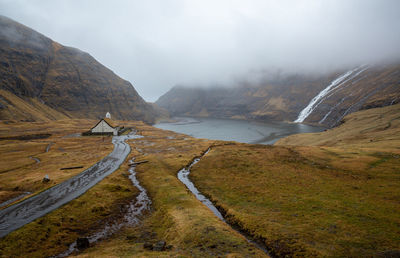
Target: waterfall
314,103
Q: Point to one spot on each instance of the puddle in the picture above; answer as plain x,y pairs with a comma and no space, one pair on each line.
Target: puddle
19,197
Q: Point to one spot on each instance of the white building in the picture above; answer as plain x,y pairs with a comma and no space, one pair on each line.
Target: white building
105,126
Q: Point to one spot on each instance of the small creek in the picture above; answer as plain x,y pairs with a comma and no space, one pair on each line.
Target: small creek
35,159
49,146
133,210
183,176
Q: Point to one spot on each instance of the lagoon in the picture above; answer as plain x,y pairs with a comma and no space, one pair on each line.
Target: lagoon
236,130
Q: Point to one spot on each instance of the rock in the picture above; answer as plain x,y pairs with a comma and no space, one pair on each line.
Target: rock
148,246
46,179
159,246
82,243
131,237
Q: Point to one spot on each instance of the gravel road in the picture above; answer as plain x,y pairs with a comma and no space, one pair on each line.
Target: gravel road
37,206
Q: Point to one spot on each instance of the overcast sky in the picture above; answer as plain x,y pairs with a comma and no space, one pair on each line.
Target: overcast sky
156,44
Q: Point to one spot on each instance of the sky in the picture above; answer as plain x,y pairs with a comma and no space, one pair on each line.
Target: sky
157,44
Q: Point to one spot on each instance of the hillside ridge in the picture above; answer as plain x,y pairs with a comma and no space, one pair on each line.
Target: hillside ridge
284,97
65,79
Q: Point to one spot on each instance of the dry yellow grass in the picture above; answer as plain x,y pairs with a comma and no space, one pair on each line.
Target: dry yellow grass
306,202
337,197
341,199
177,217
20,173
52,233
29,109
377,128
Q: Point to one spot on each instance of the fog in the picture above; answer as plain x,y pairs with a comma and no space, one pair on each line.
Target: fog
157,44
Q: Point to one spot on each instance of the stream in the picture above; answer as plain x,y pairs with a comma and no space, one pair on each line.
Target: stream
133,211
183,176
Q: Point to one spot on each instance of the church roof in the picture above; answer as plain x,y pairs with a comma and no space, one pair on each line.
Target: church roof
110,122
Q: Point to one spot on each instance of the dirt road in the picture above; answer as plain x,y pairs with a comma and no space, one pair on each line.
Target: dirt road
35,207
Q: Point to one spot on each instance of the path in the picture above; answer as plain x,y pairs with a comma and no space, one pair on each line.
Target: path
18,215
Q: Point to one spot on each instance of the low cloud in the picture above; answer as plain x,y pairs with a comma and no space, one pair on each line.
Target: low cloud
161,43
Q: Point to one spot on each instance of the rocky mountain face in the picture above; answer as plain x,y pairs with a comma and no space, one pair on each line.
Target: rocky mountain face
63,80
364,87
284,97
277,99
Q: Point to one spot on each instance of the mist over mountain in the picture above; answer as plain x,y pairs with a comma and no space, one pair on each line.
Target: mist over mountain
282,97
162,43
41,79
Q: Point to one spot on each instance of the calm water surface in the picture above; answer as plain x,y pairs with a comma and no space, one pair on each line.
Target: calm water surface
236,130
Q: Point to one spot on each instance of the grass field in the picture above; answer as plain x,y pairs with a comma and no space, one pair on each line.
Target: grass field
53,233
177,217
341,198
20,172
306,206
335,198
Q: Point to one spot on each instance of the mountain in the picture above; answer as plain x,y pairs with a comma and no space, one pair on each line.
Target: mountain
361,88
373,129
41,79
283,97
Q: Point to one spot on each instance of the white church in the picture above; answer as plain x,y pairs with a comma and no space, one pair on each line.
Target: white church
106,126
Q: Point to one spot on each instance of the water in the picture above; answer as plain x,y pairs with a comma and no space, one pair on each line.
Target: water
16,216
236,130
314,103
134,210
183,176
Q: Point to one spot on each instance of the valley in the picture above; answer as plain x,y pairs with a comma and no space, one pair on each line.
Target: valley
298,200
284,97
279,163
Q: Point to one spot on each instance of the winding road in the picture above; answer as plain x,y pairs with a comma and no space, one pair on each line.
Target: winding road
18,215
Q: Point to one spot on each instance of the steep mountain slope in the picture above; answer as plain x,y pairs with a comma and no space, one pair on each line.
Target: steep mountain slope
279,98
361,88
284,97
376,128
25,109
37,70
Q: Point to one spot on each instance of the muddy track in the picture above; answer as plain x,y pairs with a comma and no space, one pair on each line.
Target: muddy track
35,207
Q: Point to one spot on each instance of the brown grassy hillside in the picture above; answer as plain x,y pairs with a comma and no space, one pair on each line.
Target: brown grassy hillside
338,197
72,82
377,128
